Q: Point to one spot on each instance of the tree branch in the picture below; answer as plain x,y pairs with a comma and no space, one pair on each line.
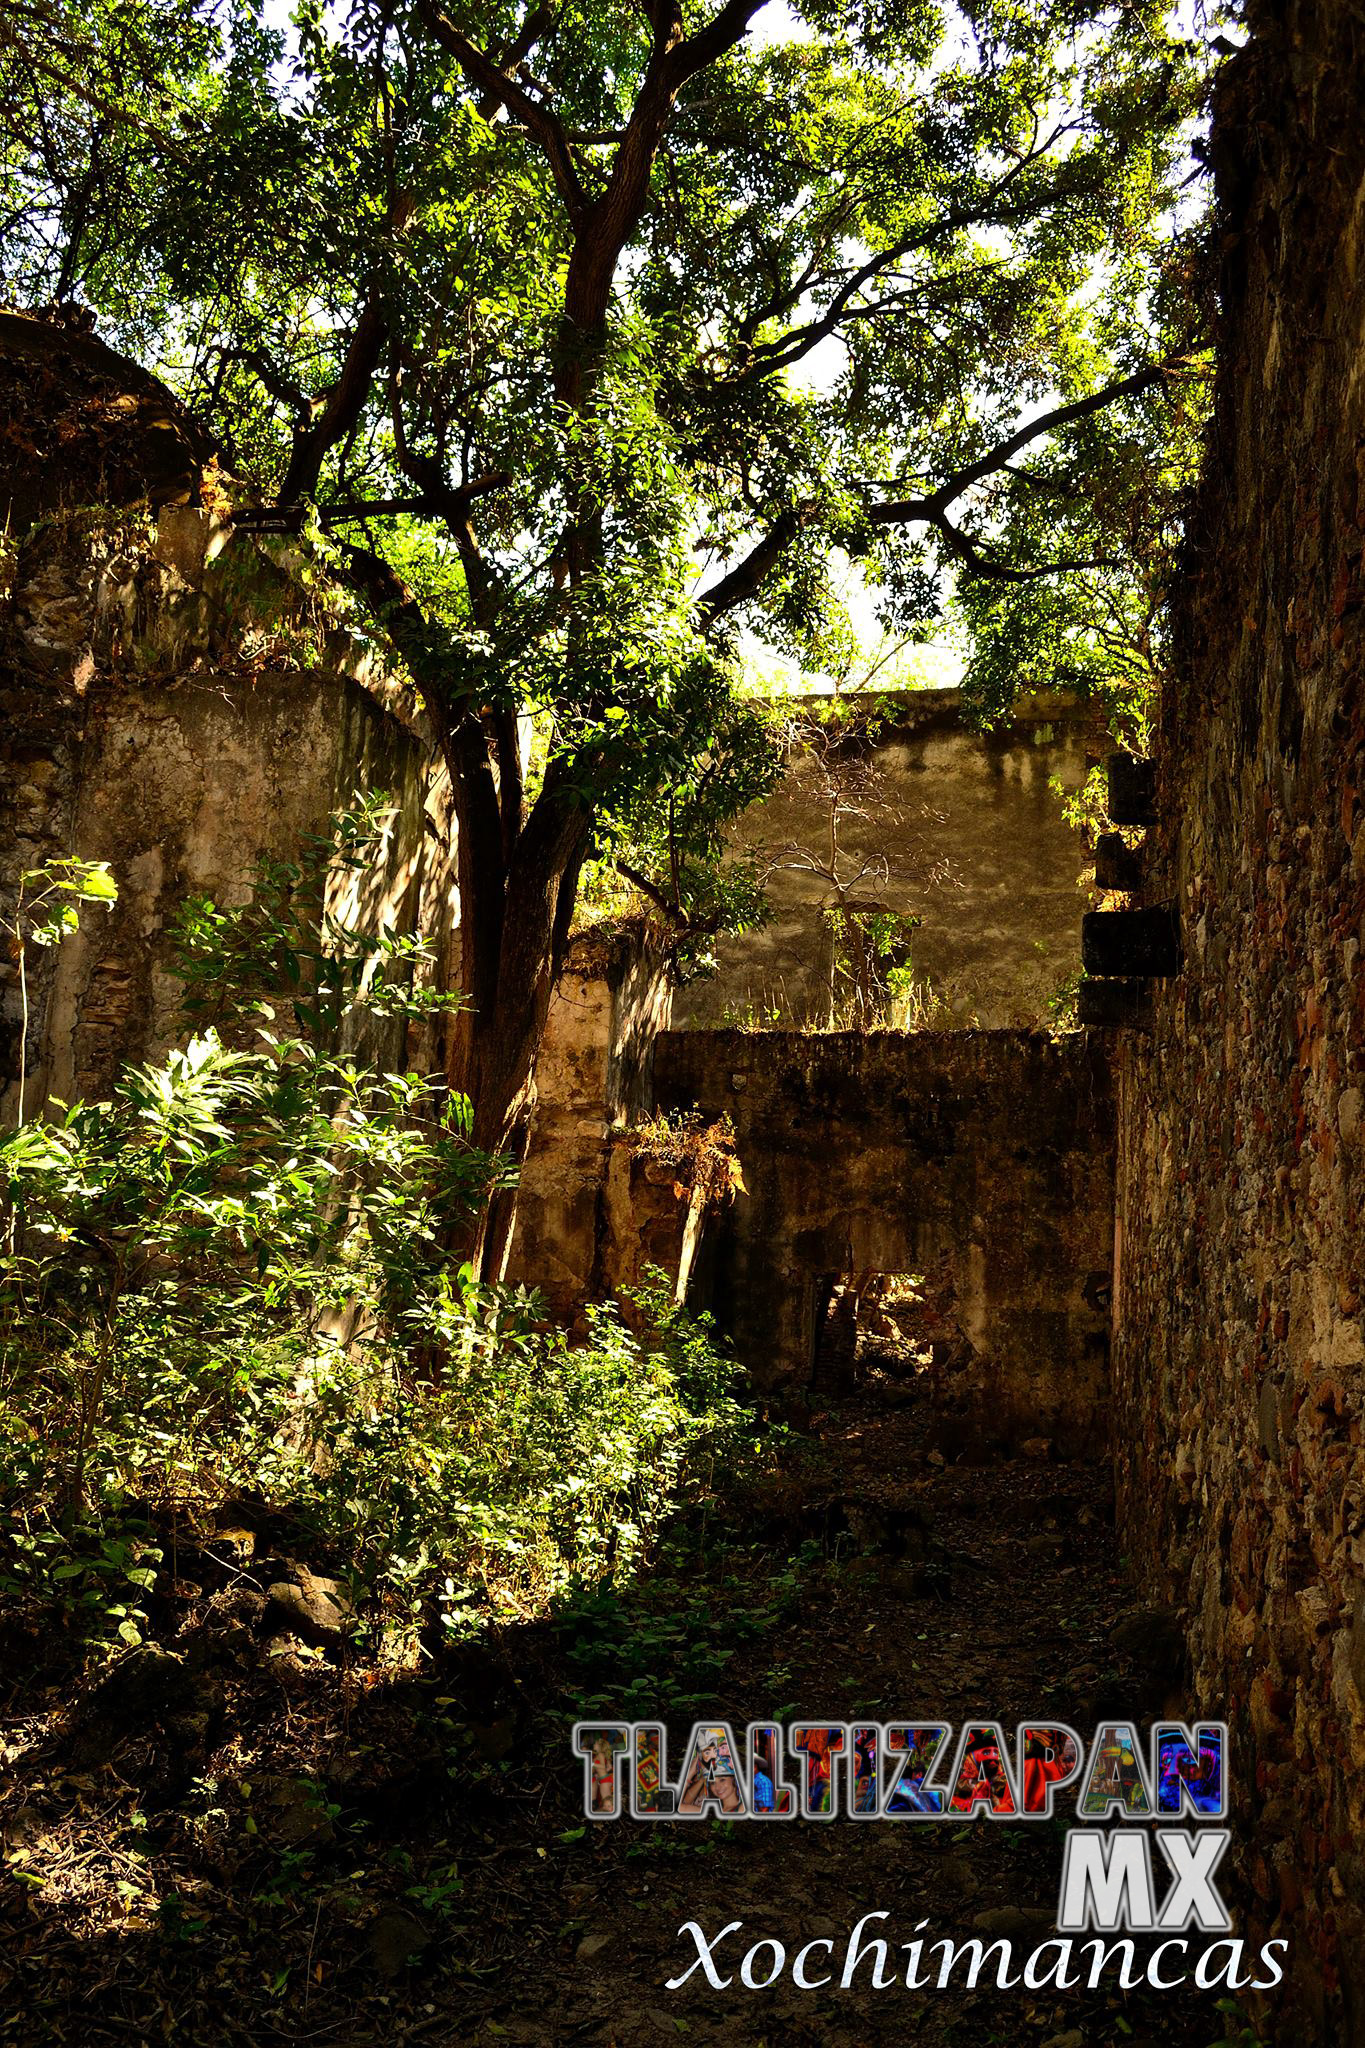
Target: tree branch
650,890
453,503
539,119
686,59
908,509
984,212
523,42
459,496
276,383
122,116
746,579
332,418
991,567
375,508
506,738
609,222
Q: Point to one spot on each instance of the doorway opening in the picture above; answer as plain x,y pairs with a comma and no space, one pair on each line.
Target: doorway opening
890,1332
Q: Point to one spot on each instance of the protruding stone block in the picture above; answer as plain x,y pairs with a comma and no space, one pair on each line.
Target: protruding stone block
1141,943
1132,790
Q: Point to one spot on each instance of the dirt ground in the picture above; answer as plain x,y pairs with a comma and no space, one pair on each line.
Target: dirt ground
255,1843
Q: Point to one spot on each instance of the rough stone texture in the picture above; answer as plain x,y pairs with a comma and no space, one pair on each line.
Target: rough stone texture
1239,1348
84,426
307,1605
978,849
988,1152
587,1218
179,699
396,1939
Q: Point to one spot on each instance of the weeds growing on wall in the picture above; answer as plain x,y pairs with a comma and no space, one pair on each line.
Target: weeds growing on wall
45,911
233,1278
700,1154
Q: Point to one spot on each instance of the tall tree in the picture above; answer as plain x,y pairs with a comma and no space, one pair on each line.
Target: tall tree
596,332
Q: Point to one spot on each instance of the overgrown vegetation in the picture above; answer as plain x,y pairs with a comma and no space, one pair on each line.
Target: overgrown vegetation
596,337
700,1154
233,1278
47,910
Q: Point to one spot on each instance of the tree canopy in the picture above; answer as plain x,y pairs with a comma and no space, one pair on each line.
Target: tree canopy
594,333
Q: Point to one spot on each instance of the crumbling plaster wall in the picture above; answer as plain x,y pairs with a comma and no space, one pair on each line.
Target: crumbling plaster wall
590,1218
177,702
977,848
1239,1344
991,1150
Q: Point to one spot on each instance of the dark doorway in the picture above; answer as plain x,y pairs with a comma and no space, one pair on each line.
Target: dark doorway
889,1331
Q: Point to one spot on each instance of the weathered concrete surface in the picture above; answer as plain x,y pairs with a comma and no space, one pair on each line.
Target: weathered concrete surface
989,1150
181,794
976,847
1240,1348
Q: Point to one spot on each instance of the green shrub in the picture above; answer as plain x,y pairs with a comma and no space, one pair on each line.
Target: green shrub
235,1276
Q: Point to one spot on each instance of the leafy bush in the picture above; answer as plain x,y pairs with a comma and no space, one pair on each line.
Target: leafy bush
528,1461
227,1217
46,911
235,1275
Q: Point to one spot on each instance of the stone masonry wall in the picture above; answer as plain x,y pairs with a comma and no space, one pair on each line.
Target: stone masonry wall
984,1154
172,704
588,1219
959,828
1239,1346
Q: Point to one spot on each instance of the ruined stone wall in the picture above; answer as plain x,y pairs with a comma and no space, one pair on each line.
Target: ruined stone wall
179,695
1239,1347
959,828
589,1219
176,702
985,1154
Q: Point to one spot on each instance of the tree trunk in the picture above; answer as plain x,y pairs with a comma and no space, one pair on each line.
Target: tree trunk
517,873
515,928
